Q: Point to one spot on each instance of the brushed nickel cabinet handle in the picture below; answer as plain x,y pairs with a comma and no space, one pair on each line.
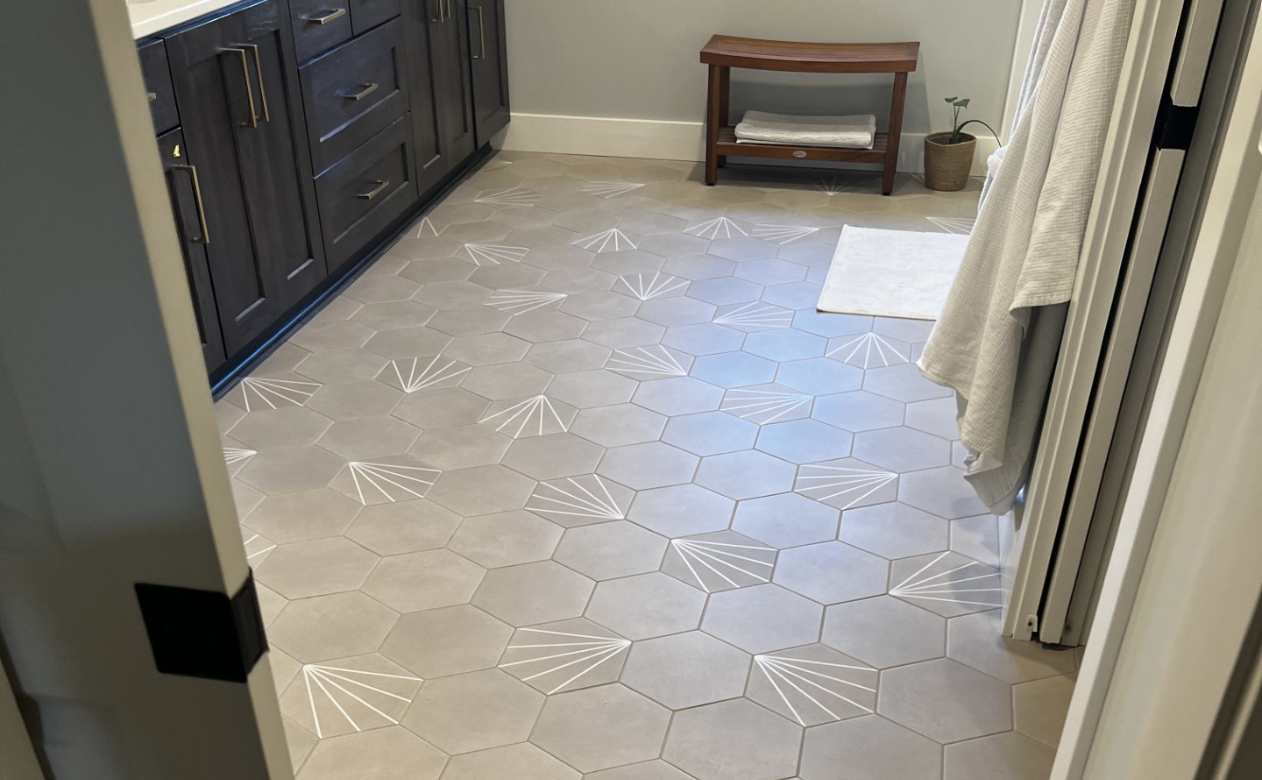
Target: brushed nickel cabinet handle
253,121
153,96
258,72
326,17
442,13
380,187
366,89
197,199
481,33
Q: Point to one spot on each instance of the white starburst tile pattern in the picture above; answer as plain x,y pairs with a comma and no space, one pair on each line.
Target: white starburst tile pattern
257,547
846,483
755,315
654,361
720,561
869,350
948,583
565,657
719,227
235,455
958,225
517,302
535,416
609,189
382,483
427,228
268,393
342,699
765,406
814,685
782,234
834,185
647,287
577,501
512,196
611,240
495,254
415,374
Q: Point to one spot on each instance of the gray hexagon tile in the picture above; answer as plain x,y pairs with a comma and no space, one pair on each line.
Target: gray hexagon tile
1001,756
944,700
734,369
859,411
902,383
602,727
523,761
746,474
565,656
766,404
648,465
786,520
620,425
902,449
647,770
869,748
566,356
553,456
482,490
680,395
763,618
894,530
846,483
884,632
316,567
473,711
646,605
506,539
681,510
785,344
977,640
296,517
423,580
804,441
608,550
334,626
391,753
1039,708
942,491
831,572
446,641
441,408
686,670
703,338
734,738
281,427
819,376
404,527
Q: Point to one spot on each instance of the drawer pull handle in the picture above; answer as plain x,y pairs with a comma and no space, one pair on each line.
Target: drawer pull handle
442,13
197,199
153,96
364,91
380,187
253,121
799,154
481,33
258,72
326,17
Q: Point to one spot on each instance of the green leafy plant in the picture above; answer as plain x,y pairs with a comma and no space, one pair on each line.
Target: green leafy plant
958,104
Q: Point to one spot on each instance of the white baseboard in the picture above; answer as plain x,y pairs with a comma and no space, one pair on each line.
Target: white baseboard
661,139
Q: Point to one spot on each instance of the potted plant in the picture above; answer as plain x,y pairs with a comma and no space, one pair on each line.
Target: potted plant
949,155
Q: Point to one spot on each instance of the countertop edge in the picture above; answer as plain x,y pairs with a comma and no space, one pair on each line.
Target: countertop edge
155,17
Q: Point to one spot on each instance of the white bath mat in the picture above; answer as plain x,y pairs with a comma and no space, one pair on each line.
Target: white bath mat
892,273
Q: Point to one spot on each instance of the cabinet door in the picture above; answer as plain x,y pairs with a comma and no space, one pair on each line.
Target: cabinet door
236,84
442,115
184,183
488,60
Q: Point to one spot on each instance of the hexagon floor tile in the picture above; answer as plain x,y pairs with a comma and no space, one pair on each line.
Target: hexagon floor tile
513,498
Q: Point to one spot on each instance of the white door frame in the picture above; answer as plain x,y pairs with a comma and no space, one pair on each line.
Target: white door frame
112,479
1182,580
1140,87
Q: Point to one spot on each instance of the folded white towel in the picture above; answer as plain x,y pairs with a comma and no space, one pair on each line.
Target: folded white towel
857,131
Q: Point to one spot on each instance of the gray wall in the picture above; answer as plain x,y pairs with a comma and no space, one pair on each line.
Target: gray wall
638,58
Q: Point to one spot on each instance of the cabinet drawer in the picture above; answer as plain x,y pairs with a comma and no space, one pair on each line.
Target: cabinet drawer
361,195
353,92
319,25
157,76
367,14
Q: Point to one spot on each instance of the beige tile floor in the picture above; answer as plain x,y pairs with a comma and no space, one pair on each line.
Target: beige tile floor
574,482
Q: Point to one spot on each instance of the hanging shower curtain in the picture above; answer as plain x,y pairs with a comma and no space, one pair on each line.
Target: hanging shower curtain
997,339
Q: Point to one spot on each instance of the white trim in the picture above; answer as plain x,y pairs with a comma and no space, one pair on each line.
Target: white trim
1027,24
663,139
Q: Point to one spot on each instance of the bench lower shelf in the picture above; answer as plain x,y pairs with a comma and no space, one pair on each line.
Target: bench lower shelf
727,146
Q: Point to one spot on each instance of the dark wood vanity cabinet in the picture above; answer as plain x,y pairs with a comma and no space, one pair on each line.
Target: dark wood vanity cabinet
298,136
241,113
488,60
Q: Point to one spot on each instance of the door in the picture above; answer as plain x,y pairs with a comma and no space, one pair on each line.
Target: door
240,107
1140,173
442,117
184,184
488,62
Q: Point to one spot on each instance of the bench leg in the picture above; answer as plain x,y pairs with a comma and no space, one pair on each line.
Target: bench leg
725,102
713,122
896,132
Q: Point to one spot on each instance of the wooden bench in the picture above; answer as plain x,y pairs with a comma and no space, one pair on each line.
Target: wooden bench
725,52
